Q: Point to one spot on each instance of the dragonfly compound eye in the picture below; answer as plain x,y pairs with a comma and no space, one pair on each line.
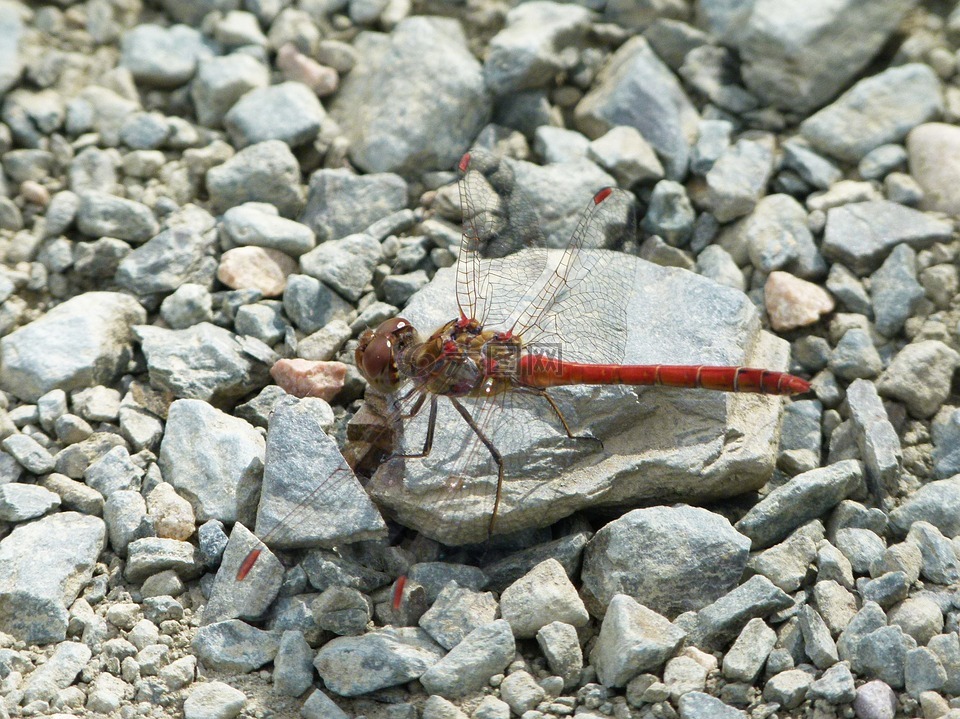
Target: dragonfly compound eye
376,354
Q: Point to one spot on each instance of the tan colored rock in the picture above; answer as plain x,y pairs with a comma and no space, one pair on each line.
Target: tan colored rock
256,268
792,302
173,517
933,150
300,68
307,378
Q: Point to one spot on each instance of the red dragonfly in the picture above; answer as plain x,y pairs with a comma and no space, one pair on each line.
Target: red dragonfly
495,349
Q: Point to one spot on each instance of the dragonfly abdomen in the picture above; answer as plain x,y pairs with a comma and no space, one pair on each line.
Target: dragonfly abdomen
538,371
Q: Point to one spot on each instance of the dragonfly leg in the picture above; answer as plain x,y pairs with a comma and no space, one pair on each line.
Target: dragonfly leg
497,457
416,405
539,392
431,425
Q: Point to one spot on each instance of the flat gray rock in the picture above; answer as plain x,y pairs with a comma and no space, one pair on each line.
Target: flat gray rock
150,555
82,342
342,203
456,612
799,57
202,362
805,497
170,259
43,566
221,81
390,103
722,620
351,666
100,214
635,88
936,502
310,497
162,56
861,234
878,110
662,444
234,646
669,559
214,460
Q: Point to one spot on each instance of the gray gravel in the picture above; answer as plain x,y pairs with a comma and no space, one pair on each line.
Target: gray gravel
157,425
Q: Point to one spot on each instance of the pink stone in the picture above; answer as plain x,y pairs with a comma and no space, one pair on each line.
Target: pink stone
298,67
34,192
307,378
257,268
792,302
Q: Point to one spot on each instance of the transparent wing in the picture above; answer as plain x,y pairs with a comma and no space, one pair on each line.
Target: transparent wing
580,310
498,222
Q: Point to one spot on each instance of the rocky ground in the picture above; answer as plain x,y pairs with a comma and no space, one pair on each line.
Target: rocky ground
202,206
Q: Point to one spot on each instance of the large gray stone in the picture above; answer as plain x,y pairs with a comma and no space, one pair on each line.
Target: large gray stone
669,559
83,342
392,101
667,445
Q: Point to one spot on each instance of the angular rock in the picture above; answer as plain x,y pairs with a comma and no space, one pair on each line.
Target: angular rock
288,112
214,460
920,376
936,502
174,257
100,214
233,646
394,66
702,561
633,639
43,566
388,657
82,342
545,591
636,89
879,109
266,172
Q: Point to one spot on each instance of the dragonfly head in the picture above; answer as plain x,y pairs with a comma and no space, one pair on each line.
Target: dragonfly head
379,350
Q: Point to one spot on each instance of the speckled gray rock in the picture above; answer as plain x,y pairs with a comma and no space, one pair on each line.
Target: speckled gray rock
776,236
100,214
456,612
803,498
800,436
249,599
151,555
882,654
293,665
855,357
214,460
566,485
936,502
624,153
82,342
814,169
340,202
879,109
699,705
635,88
43,566
940,561
29,453
861,234
394,69
786,564
544,594
877,439
202,362
234,646
559,643
266,172
945,433
788,688
669,214
722,620
221,81
737,179
19,502
213,700
713,139
838,40
920,376
260,226
311,305
469,666
289,112
162,56
704,559
947,649
525,54
848,289
817,642
302,465
345,265
895,291
746,656
633,639
174,257
319,706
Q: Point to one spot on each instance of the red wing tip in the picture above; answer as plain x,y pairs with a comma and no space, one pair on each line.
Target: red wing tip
398,591
602,195
797,385
247,564
464,162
